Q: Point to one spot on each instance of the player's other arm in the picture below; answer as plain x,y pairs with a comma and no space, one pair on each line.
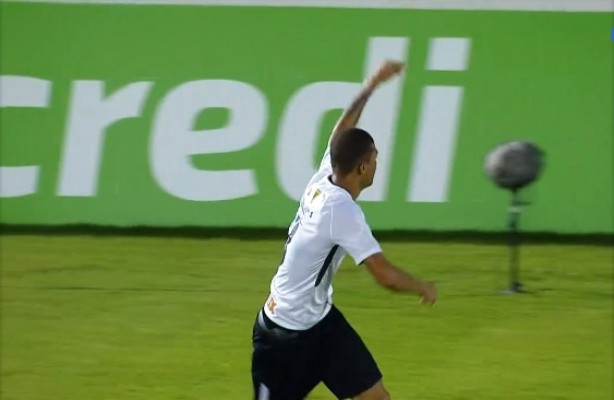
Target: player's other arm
351,115
350,230
394,278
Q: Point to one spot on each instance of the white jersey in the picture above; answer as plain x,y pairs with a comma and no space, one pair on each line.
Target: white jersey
327,226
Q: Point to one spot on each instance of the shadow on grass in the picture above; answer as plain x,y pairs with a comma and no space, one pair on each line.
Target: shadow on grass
113,290
474,237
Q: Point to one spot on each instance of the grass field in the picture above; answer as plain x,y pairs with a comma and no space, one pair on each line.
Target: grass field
114,318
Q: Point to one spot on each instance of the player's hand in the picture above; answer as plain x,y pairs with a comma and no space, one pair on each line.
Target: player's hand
428,293
387,70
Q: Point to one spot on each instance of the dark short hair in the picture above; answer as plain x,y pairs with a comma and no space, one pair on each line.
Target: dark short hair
350,148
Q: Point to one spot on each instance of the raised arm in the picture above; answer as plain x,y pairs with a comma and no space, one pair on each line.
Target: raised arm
349,118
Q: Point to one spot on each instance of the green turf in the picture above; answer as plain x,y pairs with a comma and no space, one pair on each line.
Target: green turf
114,318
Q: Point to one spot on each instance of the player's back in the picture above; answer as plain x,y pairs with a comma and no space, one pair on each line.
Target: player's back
302,288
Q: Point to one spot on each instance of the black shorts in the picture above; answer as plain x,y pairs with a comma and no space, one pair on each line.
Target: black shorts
287,365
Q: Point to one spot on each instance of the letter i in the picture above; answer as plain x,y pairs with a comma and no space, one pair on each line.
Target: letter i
438,124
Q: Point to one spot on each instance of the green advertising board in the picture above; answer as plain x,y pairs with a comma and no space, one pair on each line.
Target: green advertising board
214,116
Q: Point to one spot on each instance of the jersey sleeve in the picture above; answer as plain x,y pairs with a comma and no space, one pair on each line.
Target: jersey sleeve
350,230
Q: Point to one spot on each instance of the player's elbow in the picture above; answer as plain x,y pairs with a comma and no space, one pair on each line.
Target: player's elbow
386,280
382,271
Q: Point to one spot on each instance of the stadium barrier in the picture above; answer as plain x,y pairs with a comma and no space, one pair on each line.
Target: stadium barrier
213,116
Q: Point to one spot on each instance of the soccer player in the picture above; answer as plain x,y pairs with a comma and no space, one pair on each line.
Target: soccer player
300,338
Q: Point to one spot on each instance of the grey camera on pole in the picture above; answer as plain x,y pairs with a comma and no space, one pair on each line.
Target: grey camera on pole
514,165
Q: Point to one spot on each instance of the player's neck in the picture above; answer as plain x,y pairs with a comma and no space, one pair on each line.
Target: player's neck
348,184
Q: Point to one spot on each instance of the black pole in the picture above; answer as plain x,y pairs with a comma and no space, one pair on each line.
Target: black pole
514,243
